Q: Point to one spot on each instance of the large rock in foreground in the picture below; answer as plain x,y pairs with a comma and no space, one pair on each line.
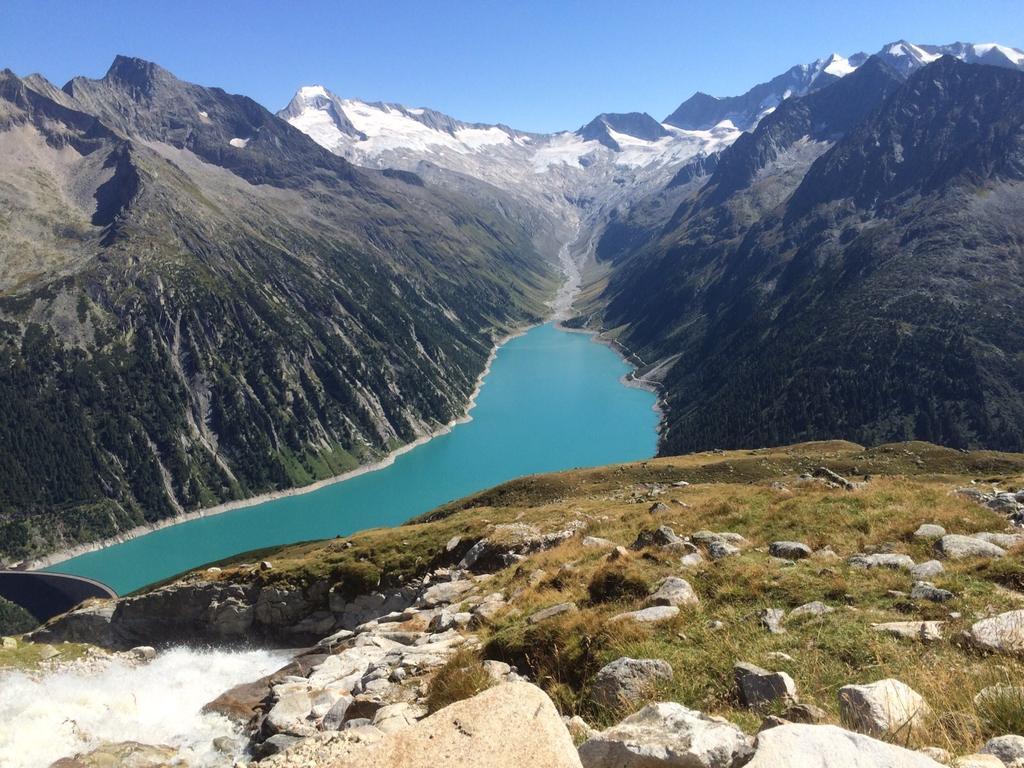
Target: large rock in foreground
667,734
1000,634
826,746
884,708
508,726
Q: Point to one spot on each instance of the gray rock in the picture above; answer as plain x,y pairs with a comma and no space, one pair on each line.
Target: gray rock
691,560
552,611
927,570
1009,749
658,508
882,560
1000,634
789,550
884,708
276,744
815,608
804,713
661,537
648,615
291,710
596,542
758,687
922,631
925,590
719,549
445,593
771,619
930,531
673,591
667,734
625,682
956,547
1001,540
826,746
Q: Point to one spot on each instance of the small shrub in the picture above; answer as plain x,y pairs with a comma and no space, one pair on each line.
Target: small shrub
463,676
617,583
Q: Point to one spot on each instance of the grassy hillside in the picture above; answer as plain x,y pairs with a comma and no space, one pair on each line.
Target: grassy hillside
760,495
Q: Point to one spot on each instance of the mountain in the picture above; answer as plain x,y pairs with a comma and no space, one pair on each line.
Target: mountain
198,303
702,111
848,269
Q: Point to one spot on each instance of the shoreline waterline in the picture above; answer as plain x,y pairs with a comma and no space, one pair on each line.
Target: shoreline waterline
68,553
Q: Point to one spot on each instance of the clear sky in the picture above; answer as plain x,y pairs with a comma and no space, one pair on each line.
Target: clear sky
539,65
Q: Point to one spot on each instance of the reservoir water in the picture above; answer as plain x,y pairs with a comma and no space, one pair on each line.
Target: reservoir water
553,400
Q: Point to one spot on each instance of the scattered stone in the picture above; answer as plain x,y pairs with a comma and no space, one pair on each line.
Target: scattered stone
658,508
1001,540
47,652
826,746
649,615
10,642
335,717
719,549
789,550
143,652
692,560
834,478
923,631
780,656
289,713
930,531
771,619
925,590
596,542
551,612
626,682
882,560
619,553
673,591
927,570
662,537
452,544
667,734
815,608
884,708
758,687
804,713
445,593
266,565
1009,749
956,547
1000,634
978,761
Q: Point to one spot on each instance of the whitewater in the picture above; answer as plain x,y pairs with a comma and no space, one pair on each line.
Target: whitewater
76,707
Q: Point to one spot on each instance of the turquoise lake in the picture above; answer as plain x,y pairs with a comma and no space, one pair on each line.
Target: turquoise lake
553,400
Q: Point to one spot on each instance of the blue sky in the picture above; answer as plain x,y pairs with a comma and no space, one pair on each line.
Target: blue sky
534,65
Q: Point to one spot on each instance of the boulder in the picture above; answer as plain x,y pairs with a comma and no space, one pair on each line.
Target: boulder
930,531
554,610
648,615
927,570
661,537
667,734
125,754
956,547
826,746
719,549
886,708
882,560
815,608
789,550
771,619
1000,634
596,542
978,761
1009,749
924,631
1002,540
925,590
673,591
625,682
289,713
508,726
691,560
445,593
758,687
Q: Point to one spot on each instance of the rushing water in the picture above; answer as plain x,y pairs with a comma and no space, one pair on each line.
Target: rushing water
553,400
50,715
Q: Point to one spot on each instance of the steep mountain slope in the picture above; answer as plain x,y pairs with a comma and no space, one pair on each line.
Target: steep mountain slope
863,287
198,303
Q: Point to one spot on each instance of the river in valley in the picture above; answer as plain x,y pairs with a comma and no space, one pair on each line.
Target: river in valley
553,400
